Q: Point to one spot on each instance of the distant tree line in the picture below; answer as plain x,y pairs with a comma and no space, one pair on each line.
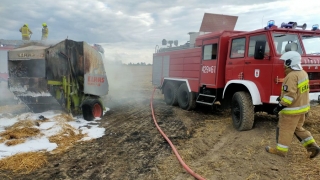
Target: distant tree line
129,64
139,64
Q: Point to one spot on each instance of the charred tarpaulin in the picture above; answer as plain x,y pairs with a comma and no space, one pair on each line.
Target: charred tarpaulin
30,68
18,70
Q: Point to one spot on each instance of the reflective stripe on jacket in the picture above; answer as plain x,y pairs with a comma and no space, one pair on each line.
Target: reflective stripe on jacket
295,93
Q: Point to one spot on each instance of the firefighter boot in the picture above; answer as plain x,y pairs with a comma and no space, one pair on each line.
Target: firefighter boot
276,151
314,149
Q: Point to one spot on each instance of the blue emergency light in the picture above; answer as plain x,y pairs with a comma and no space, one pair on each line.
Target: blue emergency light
315,27
269,24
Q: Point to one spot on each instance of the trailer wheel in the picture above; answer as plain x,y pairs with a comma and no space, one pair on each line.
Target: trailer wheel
186,99
170,93
92,109
242,111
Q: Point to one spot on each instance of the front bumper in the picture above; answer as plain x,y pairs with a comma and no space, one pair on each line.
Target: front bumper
314,96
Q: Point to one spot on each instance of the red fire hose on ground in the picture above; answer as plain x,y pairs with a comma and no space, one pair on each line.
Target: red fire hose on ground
170,143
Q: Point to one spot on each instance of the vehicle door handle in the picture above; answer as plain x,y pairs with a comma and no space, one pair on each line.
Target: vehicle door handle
247,62
229,62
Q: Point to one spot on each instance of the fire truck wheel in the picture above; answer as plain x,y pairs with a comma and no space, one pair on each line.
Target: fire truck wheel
92,109
242,111
186,99
170,93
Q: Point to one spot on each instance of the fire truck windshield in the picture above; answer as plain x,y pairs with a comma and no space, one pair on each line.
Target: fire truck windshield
281,40
311,44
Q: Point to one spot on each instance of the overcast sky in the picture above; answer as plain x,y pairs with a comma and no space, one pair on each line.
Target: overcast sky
129,30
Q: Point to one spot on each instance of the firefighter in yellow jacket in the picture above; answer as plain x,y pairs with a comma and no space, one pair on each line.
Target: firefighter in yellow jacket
45,31
26,32
292,107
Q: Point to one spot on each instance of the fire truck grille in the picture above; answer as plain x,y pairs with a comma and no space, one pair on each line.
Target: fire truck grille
314,75
314,88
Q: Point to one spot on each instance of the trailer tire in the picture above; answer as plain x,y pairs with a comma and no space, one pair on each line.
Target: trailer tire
242,111
186,99
170,93
92,109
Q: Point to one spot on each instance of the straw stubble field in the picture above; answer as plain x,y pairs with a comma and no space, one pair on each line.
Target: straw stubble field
132,147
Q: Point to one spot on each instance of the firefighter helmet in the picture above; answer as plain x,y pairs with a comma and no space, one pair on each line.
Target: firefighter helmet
44,24
292,59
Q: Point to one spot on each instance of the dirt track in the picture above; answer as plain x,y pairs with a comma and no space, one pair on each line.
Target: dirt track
134,149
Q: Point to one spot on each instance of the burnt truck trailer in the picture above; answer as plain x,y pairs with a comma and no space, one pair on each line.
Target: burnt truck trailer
236,69
67,76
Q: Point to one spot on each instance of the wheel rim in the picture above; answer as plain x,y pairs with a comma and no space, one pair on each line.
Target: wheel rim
236,111
96,110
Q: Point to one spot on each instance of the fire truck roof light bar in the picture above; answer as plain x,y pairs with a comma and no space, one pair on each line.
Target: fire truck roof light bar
315,27
269,24
291,25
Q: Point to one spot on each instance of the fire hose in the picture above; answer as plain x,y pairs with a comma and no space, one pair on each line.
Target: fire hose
184,165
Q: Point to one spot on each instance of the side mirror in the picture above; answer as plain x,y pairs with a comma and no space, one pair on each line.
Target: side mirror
259,49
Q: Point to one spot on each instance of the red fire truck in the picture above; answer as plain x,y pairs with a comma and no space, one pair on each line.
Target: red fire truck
235,69
3,60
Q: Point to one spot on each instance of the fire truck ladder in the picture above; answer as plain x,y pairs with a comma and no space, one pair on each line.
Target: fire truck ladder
206,99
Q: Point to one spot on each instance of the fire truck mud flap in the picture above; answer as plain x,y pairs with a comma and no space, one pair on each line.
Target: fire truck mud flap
242,111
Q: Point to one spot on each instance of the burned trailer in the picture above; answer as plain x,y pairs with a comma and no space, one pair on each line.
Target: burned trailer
67,76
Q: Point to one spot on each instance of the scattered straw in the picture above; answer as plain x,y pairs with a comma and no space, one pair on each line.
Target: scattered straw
24,163
64,117
18,133
66,138
21,129
2,140
21,123
15,142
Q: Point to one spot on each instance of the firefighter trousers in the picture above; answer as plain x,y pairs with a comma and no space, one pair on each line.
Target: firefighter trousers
290,125
25,37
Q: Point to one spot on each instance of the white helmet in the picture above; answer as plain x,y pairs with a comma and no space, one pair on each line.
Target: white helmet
292,59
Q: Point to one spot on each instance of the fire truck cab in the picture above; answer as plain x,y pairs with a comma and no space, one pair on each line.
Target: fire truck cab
235,69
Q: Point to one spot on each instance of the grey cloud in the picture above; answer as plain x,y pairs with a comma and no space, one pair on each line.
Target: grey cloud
123,23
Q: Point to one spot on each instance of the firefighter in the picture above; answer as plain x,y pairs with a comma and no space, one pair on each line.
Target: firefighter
292,107
26,32
45,31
